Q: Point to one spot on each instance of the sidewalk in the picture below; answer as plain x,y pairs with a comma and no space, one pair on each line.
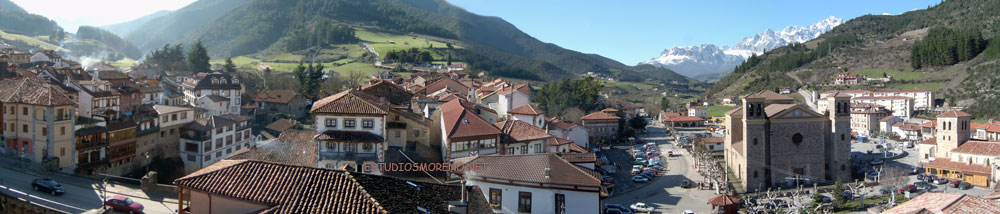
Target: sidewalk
33,169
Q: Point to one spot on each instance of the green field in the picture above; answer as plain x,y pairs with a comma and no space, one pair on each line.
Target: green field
895,74
385,42
245,62
933,86
27,39
124,63
719,110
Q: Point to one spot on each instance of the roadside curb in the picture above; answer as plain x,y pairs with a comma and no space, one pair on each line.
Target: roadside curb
71,181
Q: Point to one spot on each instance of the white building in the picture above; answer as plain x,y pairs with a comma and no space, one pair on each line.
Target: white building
921,98
529,114
698,111
96,98
511,98
221,85
901,107
568,130
208,140
351,129
538,183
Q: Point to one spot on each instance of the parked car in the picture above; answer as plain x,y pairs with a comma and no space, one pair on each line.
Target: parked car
965,185
688,212
124,204
872,175
48,185
923,185
648,175
954,183
636,171
621,208
915,170
641,207
613,211
940,181
686,183
670,153
639,179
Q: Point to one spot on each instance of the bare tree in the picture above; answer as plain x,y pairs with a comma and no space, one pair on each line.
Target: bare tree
652,109
573,114
354,78
895,178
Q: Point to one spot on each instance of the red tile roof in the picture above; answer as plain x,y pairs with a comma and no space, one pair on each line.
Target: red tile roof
531,169
609,110
991,126
600,115
33,91
460,122
945,203
580,157
555,141
684,119
954,114
907,126
350,136
714,140
281,125
523,88
276,96
577,148
302,189
347,102
979,148
959,166
769,95
886,119
559,124
723,200
904,90
929,141
520,131
930,123
529,109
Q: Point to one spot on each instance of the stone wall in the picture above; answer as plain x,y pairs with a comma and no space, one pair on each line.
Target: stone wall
9,204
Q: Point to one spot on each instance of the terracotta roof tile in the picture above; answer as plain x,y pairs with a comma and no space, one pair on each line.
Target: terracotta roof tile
212,122
735,112
281,125
886,119
347,102
577,148
959,166
929,141
520,131
723,199
276,96
945,203
684,119
555,141
531,169
775,109
554,122
769,95
301,189
393,93
580,157
34,92
292,147
979,148
460,122
954,113
529,109
350,136
600,115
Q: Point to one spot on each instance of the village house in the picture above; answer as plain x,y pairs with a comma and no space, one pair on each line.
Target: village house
684,122
208,140
945,203
38,122
217,92
92,149
250,186
601,126
97,99
907,131
520,137
568,130
511,98
351,131
121,147
392,93
886,123
901,107
989,131
865,118
529,114
928,130
771,141
849,79
171,119
698,111
464,133
536,183
714,144
278,104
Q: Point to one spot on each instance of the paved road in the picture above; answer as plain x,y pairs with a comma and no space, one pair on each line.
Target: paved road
664,193
80,196
807,95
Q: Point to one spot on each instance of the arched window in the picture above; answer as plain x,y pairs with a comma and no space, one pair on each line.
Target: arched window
842,137
755,141
236,81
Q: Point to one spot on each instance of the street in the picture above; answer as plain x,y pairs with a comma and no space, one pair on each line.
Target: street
664,193
82,194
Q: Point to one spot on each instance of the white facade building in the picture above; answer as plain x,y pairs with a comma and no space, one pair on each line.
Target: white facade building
208,140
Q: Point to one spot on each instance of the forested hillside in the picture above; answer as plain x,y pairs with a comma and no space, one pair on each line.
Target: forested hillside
490,44
109,39
14,19
171,27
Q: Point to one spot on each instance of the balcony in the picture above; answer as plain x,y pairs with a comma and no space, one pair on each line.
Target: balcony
152,130
92,165
348,156
63,117
122,154
195,137
90,144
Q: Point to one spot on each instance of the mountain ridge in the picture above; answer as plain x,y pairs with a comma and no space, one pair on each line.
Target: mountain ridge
709,61
124,28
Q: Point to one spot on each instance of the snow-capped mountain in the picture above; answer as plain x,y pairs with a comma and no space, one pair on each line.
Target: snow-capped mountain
709,61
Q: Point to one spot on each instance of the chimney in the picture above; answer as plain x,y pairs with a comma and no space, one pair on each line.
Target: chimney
548,173
461,206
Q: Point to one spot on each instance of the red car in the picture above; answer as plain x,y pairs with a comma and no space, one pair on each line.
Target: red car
124,204
908,188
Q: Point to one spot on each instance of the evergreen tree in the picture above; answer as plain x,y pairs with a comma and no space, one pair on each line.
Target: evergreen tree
301,77
229,67
664,103
449,59
198,58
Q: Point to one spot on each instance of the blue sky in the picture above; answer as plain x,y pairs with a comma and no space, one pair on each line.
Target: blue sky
634,31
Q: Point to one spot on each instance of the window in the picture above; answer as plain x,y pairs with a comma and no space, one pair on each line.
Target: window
207,145
496,198
524,202
797,138
331,145
45,131
24,128
191,158
350,147
208,157
62,151
218,143
842,137
755,141
184,115
524,149
218,154
190,147
229,150
24,110
12,111
229,140
367,124
331,123
366,146
754,174
349,123
416,133
62,130
173,117
218,131
538,148
560,204
165,119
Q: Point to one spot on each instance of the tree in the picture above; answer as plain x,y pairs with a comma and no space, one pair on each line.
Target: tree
638,123
664,103
449,59
301,76
198,58
573,114
229,67
838,194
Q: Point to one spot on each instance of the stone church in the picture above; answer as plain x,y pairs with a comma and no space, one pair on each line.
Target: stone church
772,142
